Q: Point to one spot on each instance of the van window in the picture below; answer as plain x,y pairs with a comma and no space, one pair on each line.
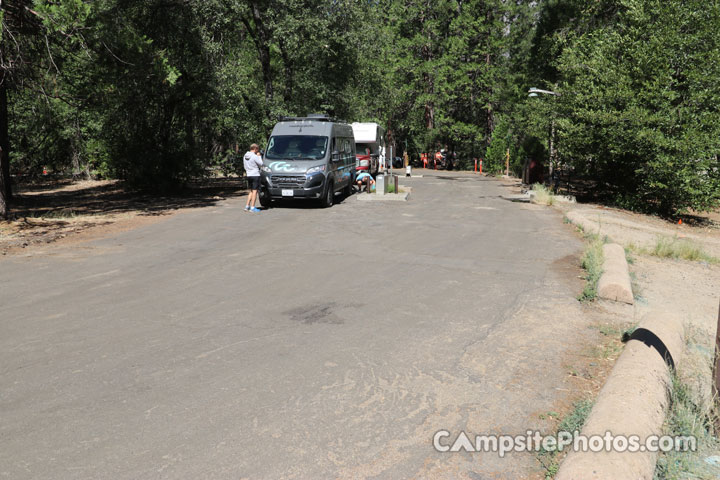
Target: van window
296,147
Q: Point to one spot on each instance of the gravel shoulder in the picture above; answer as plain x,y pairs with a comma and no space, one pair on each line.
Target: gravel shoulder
687,288
684,290
63,211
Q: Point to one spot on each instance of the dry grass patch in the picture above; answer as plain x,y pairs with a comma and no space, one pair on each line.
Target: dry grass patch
675,248
543,195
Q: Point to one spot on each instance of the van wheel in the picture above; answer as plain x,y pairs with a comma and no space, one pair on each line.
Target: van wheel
349,188
264,197
329,197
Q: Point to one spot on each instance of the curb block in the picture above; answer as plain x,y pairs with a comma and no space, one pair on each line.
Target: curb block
633,402
614,283
579,219
388,197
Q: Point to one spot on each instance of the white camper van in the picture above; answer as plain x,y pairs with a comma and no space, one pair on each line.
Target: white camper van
369,147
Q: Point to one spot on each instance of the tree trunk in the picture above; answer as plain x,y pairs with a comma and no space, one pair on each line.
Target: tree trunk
289,72
5,190
262,41
428,81
429,107
490,119
76,170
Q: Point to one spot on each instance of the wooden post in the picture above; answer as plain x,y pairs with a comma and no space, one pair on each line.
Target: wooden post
507,162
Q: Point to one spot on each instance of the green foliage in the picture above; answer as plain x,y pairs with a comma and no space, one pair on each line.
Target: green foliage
570,423
676,248
543,195
640,110
503,142
592,262
575,420
159,92
66,17
497,150
689,416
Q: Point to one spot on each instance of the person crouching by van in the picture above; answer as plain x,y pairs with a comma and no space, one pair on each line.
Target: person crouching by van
365,178
252,161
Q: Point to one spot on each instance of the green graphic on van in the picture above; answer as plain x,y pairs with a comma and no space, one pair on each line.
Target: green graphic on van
285,167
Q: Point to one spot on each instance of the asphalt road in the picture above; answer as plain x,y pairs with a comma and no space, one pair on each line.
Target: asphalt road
296,343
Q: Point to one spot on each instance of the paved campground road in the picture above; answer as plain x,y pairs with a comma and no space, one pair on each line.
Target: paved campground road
296,343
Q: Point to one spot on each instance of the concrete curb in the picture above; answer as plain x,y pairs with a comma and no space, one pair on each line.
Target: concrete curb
579,219
520,198
388,197
633,401
614,283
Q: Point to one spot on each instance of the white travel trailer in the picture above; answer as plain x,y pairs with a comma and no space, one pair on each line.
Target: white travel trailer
369,147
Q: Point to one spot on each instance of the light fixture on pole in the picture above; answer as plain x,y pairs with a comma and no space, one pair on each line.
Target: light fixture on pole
533,92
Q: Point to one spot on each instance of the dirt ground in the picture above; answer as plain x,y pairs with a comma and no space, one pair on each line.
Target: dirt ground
635,229
62,210
690,290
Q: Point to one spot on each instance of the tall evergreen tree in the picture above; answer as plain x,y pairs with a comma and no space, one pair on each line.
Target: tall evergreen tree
640,106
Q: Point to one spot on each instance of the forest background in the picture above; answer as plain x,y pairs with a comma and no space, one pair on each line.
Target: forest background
160,92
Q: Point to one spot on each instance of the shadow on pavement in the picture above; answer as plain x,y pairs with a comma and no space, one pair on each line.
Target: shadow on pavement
64,199
306,203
